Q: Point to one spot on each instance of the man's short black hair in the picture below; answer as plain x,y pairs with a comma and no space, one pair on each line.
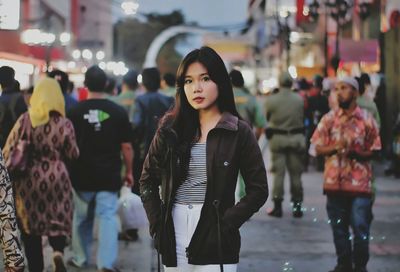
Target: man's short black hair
95,79
170,79
130,79
365,78
7,75
62,79
151,79
236,78
303,84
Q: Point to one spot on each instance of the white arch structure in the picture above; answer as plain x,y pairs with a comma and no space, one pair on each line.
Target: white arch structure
163,37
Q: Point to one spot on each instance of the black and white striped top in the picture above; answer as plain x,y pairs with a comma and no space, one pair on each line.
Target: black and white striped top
193,189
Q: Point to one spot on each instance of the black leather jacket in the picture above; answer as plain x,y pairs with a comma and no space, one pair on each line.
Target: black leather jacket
231,146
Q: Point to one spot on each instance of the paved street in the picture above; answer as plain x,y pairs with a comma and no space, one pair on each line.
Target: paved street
288,244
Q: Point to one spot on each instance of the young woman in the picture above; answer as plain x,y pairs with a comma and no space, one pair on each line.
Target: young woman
195,157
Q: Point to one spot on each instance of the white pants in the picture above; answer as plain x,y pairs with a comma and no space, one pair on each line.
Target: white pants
185,221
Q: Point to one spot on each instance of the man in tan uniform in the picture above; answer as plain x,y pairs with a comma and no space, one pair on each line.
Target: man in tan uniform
285,113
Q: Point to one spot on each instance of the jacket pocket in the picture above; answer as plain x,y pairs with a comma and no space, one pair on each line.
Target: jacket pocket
230,240
205,249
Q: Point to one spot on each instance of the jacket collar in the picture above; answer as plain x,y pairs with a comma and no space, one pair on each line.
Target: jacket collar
228,121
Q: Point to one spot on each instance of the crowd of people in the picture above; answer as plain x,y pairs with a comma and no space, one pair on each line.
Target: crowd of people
181,143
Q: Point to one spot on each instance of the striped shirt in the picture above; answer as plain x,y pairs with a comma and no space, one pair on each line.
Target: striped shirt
193,189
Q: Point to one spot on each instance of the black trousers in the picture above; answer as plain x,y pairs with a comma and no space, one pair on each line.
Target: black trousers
34,249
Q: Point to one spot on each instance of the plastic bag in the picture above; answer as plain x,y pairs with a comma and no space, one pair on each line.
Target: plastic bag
130,210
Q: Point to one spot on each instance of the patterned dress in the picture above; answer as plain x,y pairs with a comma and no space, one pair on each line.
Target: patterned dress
44,195
12,251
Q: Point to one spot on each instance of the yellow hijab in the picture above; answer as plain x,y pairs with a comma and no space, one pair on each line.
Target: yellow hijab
46,97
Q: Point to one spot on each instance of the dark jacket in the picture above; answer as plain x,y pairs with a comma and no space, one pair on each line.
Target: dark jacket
231,146
12,105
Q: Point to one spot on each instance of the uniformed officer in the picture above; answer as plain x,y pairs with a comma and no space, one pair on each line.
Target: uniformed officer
249,110
246,104
285,113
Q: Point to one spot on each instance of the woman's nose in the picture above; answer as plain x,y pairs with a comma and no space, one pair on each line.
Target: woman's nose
198,87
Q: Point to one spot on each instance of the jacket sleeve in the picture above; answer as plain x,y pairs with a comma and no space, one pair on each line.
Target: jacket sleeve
150,181
252,168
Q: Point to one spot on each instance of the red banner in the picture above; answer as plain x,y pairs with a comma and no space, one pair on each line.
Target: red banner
300,17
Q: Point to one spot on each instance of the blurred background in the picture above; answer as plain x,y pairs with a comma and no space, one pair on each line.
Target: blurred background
261,37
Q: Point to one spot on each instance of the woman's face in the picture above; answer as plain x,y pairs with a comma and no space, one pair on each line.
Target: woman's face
201,92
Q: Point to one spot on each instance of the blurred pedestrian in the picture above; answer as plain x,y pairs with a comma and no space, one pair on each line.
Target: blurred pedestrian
63,80
126,99
285,115
168,84
111,87
12,103
348,137
328,85
13,258
148,110
318,106
194,219
103,131
394,167
44,193
364,100
27,93
246,104
369,90
305,90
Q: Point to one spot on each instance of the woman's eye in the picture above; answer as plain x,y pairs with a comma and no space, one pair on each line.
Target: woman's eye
188,81
206,78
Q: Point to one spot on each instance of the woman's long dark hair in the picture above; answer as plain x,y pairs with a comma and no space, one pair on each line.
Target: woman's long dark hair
183,119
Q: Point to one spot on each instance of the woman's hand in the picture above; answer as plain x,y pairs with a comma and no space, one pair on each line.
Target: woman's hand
14,269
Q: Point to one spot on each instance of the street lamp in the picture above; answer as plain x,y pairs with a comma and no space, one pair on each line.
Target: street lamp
36,36
76,54
65,38
87,54
100,55
130,7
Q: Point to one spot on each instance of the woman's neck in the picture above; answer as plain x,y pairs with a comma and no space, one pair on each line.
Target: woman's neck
208,120
96,95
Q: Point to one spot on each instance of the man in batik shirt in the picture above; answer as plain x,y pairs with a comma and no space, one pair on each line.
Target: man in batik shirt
348,137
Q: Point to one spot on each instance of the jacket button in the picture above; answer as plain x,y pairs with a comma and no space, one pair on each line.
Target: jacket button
226,163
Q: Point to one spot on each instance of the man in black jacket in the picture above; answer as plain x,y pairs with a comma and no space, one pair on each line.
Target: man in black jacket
149,108
12,103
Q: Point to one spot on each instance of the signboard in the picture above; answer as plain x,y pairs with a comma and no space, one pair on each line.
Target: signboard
9,14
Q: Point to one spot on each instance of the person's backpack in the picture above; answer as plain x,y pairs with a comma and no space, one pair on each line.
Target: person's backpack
153,110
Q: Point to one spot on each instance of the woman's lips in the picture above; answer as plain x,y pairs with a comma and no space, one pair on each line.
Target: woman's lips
198,100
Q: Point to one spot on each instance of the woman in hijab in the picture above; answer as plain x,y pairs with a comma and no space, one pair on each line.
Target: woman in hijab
44,193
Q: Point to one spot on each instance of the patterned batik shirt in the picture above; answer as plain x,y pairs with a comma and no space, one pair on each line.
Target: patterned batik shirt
360,133
9,233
